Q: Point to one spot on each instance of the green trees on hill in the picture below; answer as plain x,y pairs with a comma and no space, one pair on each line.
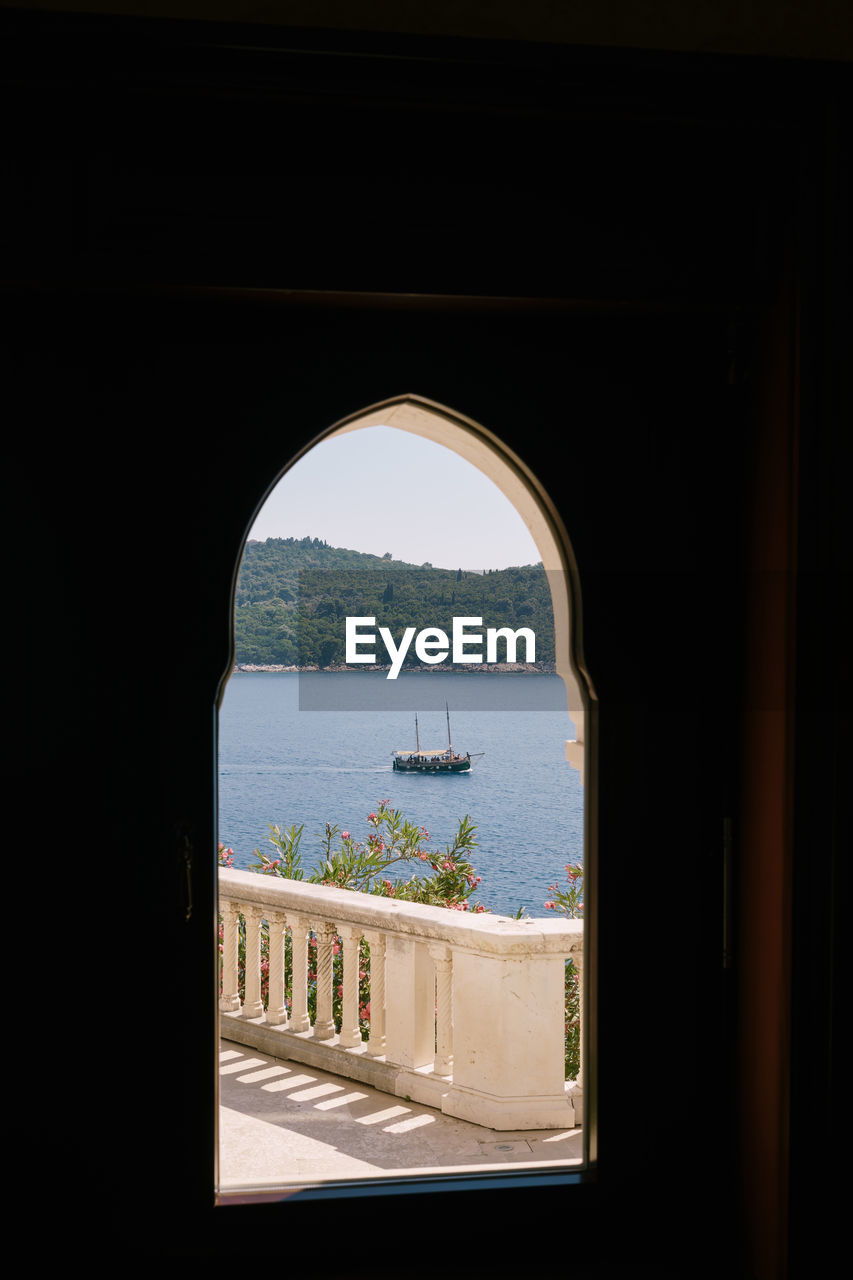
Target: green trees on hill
293,596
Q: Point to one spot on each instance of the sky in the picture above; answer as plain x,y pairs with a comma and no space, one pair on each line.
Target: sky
381,489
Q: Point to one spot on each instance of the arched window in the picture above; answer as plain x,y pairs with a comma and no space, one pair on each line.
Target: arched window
425,977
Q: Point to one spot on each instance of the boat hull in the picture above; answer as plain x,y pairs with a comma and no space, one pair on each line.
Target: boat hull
432,766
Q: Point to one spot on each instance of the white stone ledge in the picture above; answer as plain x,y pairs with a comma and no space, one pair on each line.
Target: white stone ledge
485,933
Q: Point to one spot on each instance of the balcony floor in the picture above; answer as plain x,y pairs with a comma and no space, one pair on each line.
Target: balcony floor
283,1124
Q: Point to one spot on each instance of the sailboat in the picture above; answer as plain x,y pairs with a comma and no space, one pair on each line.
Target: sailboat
432,760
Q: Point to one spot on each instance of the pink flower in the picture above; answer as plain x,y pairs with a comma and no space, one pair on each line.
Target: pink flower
549,906
345,835
371,817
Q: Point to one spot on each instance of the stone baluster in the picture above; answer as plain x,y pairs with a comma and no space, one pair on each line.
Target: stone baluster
409,1002
254,1005
376,1042
350,1033
324,1022
300,1019
442,958
229,999
277,1004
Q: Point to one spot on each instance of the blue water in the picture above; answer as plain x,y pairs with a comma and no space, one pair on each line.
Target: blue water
278,764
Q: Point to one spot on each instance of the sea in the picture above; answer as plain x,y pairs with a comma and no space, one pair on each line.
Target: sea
282,764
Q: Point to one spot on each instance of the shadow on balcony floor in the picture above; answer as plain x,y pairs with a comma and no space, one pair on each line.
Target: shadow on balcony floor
283,1124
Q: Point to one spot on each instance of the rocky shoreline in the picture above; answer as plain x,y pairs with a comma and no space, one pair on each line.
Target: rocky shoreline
491,668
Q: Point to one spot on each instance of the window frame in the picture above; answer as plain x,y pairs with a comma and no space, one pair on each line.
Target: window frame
485,451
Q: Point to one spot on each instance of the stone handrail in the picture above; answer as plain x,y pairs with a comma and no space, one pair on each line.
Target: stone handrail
466,1010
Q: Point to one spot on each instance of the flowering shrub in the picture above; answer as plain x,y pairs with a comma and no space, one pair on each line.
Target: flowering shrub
569,902
439,879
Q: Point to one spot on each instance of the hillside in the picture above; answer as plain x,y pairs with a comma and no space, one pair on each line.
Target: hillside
294,594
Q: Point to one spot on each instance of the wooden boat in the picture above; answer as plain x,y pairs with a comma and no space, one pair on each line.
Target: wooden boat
432,760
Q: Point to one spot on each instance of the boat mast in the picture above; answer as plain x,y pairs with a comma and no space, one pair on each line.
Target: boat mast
417,739
449,744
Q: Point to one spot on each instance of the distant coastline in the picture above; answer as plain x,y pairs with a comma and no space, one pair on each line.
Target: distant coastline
490,668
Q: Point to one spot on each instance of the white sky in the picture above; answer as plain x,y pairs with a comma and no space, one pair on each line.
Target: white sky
379,489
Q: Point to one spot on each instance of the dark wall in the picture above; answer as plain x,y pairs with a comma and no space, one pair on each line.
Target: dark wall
213,254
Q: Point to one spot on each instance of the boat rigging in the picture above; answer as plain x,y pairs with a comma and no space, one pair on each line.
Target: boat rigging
433,760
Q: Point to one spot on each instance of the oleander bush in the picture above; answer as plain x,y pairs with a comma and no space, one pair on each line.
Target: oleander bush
568,902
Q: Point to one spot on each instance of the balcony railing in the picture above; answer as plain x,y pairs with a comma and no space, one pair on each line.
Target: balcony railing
466,1011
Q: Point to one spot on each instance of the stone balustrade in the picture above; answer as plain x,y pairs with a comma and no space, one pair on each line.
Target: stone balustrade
466,1010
